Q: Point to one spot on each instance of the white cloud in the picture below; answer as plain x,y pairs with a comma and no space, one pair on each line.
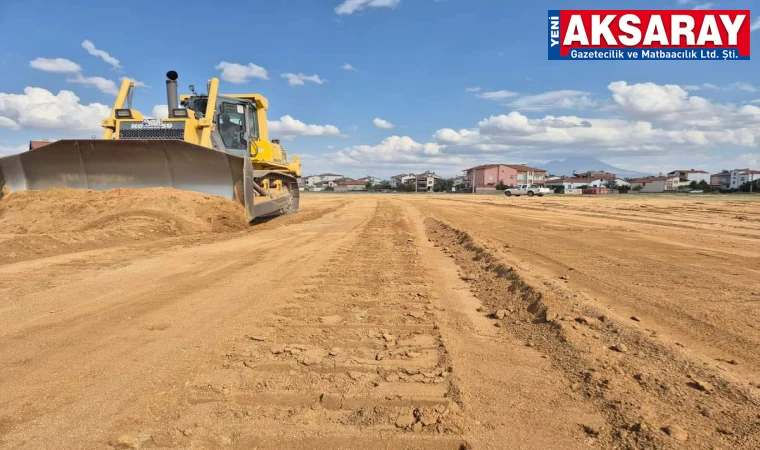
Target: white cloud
757,101
5,150
694,87
655,118
393,150
351,6
57,65
655,123
473,89
288,128
654,101
9,124
348,66
91,49
383,124
160,112
61,65
137,83
239,74
707,5
104,85
755,25
745,87
564,99
497,95
38,108
748,160
737,85
299,79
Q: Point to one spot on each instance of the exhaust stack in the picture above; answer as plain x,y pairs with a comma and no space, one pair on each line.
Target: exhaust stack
172,94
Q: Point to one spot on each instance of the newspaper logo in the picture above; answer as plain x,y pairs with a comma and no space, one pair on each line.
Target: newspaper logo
649,35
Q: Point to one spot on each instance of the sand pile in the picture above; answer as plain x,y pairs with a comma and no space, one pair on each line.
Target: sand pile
34,221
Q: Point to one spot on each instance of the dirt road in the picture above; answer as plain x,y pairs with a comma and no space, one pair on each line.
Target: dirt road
394,322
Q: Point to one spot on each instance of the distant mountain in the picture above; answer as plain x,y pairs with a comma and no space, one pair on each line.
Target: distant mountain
584,164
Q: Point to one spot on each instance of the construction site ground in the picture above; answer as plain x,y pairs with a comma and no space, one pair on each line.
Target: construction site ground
159,320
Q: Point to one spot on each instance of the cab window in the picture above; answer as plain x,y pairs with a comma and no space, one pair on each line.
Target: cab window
232,124
253,125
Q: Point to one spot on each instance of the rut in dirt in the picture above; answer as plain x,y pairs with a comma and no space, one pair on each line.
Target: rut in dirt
354,361
653,396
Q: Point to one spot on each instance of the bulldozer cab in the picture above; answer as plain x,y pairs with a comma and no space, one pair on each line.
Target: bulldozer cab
237,124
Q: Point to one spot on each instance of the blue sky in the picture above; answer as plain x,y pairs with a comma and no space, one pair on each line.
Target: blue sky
462,82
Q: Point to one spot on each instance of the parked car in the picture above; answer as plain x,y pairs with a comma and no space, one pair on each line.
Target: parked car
696,191
527,189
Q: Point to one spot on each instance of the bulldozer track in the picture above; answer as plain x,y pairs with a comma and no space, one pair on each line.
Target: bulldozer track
289,186
356,356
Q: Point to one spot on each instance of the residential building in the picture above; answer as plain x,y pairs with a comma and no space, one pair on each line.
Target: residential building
402,179
687,176
656,184
319,186
721,180
37,144
372,180
578,182
528,175
426,181
741,176
459,181
311,180
596,174
351,185
489,175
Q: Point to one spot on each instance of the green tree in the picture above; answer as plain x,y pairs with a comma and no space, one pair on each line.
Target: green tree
443,185
406,187
637,188
501,186
746,186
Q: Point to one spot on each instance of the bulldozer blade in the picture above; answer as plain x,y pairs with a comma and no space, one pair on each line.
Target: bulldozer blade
108,164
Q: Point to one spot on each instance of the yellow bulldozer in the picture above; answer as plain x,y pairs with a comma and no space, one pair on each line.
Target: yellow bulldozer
212,143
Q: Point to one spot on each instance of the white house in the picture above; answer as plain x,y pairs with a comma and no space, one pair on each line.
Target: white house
426,181
372,180
656,184
687,176
312,180
351,185
577,182
741,176
459,181
402,179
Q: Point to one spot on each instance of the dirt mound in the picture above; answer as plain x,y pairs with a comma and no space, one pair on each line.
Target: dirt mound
31,222
168,211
